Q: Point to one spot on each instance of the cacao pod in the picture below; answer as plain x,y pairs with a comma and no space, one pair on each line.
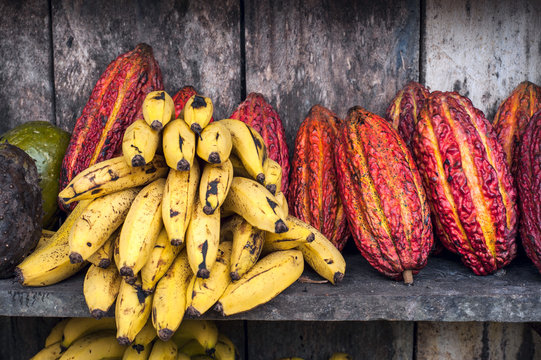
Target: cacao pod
260,115
529,189
383,195
181,98
114,104
513,115
468,182
313,188
403,113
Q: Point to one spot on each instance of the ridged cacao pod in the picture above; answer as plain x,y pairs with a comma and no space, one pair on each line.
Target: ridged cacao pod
383,195
529,189
260,115
313,188
467,181
114,104
513,115
181,98
403,113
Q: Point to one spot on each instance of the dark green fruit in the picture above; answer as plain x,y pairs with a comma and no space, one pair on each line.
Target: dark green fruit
46,144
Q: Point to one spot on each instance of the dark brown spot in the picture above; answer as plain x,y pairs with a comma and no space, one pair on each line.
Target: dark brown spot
173,213
196,128
97,313
260,178
156,125
89,244
329,261
183,165
280,227
138,347
214,158
138,160
271,188
198,102
126,271
159,96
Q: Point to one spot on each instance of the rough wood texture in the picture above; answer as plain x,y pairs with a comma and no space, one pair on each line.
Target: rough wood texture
235,330
195,43
318,341
22,338
336,53
482,49
25,63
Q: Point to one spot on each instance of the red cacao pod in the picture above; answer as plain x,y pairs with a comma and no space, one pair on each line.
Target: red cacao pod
114,104
260,115
513,115
181,98
403,112
313,189
529,189
383,196
468,182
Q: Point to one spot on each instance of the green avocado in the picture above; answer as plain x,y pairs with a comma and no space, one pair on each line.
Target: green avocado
46,145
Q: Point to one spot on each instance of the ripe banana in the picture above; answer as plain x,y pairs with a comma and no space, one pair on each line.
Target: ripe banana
104,255
182,356
299,233
134,352
146,335
204,331
139,143
268,278
163,350
324,258
246,247
55,335
44,239
192,348
170,297
158,109
132,311
49,352
282,202
177,204
214,145
202,238
110,176
256,204
249,146
141,228
98,222
225,349
51,263
340,356
273,176
102,345
214,186
100,289
197,113
203,293
238,167
178,145
77,328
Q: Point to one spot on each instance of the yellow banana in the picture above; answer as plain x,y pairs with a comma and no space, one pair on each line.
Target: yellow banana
204,331
299,233
202,238
246,247
160,259
238,167
197,113
141,228
340,356
177,204
77,328
214,145
273,176
158,109
49,352
104,255
268,278
56,333
203,293
100,289
256,204
110,176
132,311
146,335
225,349
214,186
182,356
51,263
102,345
324,258
192,348
170,297
98,222
282,202
44,239
139,143
134,352
179,145
163,350
202,357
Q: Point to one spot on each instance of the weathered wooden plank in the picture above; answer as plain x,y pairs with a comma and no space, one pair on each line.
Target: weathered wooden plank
195,43
234,330
318,341
481,49
336,53
22,338
25,63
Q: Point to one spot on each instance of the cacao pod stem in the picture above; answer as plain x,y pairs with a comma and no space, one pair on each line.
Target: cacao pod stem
408,277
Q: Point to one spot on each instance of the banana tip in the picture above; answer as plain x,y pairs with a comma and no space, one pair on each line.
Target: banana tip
165,334
177,242
219,308
272,188
138,160
234,275
156,125
203,273
208,210
192,311
97,313
196,128
125,271
183,165
260,178
123,340
280,226
214,158
76,258
104,263
310,237
338,277
19,275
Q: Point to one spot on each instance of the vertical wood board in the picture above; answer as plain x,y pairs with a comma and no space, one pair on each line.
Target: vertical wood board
21,337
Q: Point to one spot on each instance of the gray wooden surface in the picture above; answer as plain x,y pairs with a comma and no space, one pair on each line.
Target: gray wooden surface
22,338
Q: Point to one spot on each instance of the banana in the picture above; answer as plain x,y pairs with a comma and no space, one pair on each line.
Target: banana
324,258
49,352
273,176
141,228
139,143
340,356
246,247
177,204
202,357
225,349
197,113
146,335
51,263
182,356
192,348
249,146
214,186
202,238
256,204
77,328
160,259
268,278
55,335
104,255
215,144
203,293
158,109
170,297
132,311
44,239
98,222
238,167
134,352
102,345
110,176
179,145
204,331
100,289
164,350
299,233
282,202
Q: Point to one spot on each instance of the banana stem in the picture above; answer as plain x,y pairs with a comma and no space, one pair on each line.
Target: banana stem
408,277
